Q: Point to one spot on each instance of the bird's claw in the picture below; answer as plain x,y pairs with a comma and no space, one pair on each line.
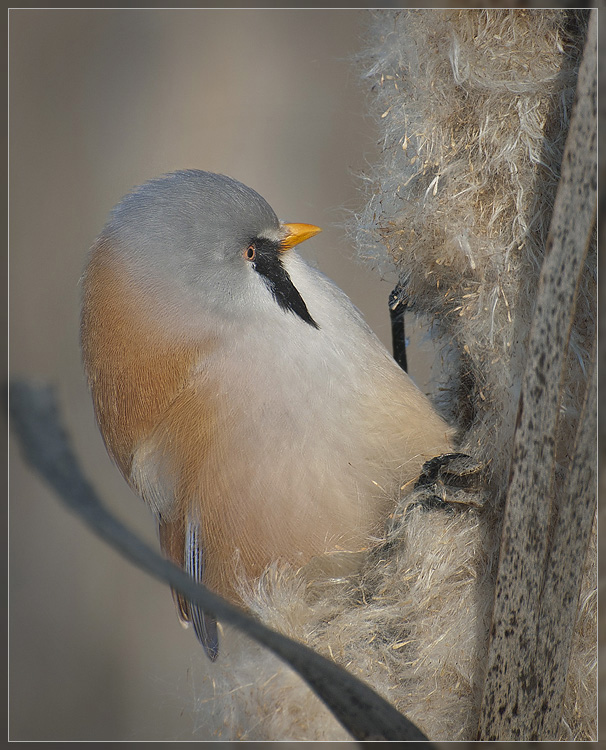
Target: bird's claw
450,480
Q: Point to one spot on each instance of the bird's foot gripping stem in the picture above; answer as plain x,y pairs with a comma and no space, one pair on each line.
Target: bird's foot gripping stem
450,480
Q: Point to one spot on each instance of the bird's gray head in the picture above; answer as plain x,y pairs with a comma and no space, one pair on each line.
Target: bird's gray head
209,235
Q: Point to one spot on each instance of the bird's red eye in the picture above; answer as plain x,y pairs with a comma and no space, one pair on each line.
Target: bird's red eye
250,252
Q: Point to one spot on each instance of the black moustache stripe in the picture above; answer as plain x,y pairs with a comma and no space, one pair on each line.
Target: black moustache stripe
269,265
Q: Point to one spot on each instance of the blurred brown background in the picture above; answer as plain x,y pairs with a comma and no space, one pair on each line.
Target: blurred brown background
101,100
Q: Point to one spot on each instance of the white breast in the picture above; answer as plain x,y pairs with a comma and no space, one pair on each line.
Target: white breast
313,433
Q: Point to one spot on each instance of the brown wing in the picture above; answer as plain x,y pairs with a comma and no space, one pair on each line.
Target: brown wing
136,373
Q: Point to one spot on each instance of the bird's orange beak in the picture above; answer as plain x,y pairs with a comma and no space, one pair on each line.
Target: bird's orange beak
295,234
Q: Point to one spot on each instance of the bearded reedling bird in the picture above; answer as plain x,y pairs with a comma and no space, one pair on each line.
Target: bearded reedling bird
239,390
